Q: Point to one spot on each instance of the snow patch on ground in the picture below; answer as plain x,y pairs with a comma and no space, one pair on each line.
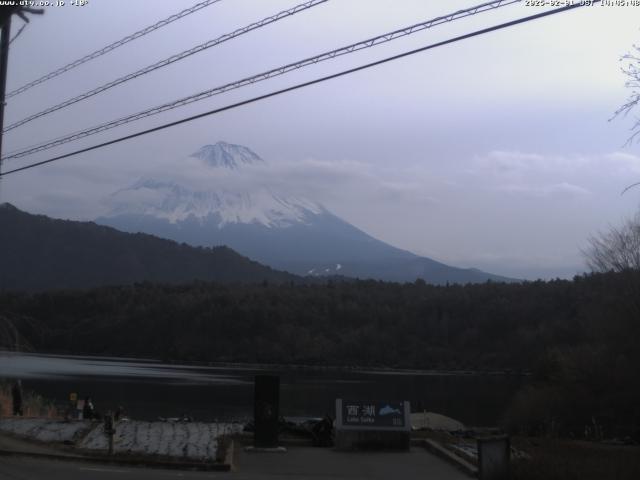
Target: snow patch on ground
187,441
193,440
469,449
435,421
45,429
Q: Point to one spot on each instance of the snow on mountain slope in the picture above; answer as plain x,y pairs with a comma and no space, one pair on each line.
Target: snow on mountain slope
169,200
175,203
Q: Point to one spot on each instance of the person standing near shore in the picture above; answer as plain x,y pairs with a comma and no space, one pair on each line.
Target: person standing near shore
88,412
16,394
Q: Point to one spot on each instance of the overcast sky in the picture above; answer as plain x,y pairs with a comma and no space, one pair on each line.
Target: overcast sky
494,152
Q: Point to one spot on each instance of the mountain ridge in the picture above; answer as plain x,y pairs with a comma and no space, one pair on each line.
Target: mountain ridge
40,253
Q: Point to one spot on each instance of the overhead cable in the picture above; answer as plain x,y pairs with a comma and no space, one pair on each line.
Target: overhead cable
111,46
17,34
168,61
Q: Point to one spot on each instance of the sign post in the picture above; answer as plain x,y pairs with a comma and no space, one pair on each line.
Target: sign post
109,430
72,410
79,409
373,424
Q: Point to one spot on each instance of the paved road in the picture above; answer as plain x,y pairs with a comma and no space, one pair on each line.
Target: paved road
325,464
26,468
297,463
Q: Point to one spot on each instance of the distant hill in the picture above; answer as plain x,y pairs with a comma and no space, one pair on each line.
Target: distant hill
38,253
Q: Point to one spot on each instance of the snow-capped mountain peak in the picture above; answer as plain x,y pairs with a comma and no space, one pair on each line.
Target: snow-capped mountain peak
243,201
227,155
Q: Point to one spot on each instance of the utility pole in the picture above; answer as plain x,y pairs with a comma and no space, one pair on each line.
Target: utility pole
4,58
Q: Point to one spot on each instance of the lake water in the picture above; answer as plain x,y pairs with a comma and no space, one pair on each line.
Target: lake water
149,389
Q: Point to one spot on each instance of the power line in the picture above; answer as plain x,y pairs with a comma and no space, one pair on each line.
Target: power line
386,37
168,61
629,188
112,46
17,35
302,85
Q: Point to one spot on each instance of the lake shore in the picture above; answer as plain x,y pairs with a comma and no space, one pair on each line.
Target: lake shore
148,390
278,366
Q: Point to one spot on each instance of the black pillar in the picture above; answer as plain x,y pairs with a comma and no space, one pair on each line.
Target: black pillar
266,411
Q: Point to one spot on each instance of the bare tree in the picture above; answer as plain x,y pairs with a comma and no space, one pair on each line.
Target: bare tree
617,250
631,69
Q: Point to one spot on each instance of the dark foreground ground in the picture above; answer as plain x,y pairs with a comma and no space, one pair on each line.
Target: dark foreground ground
26,468
580,460
298,463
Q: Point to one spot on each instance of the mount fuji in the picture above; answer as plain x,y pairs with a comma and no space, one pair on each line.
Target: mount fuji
283,231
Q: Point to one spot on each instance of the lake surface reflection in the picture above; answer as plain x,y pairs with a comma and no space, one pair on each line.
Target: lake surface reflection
149,389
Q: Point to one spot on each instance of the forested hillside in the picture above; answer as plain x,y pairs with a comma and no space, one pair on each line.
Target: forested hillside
578,338
38,253
340,323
